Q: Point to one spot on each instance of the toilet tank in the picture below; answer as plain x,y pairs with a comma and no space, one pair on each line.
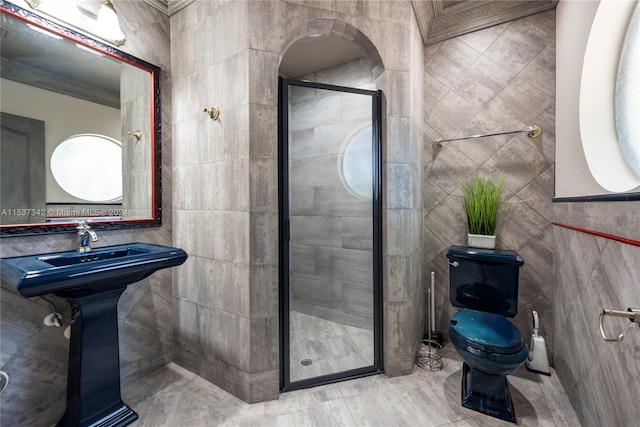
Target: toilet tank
484,279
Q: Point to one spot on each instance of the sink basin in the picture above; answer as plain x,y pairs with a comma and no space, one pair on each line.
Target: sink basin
92,282
72,273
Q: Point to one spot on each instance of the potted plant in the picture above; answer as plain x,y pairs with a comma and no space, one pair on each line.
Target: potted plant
482,203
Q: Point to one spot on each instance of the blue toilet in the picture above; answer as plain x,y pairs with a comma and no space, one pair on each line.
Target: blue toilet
484,283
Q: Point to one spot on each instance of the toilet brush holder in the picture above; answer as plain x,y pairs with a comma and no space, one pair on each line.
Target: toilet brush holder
538,360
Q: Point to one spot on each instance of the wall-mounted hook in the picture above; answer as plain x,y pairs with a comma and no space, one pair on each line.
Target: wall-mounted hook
214,112
137,134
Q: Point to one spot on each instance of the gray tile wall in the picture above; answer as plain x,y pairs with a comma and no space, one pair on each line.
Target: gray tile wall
593,273
225,298
225,312
497,79
35,356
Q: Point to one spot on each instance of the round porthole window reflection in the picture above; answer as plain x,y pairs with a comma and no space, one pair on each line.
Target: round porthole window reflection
89,167
357,162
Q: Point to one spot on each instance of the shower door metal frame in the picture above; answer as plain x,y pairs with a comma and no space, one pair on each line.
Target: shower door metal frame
284,236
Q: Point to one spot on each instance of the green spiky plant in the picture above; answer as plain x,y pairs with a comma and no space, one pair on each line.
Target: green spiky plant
482,202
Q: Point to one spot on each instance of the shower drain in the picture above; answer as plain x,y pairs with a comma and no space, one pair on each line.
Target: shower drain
306,362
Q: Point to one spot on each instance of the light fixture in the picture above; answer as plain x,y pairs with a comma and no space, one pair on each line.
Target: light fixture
108,23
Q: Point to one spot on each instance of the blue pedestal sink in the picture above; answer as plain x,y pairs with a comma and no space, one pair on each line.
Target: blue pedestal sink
93,282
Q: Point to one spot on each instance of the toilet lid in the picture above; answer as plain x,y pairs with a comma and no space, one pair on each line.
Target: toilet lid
485,331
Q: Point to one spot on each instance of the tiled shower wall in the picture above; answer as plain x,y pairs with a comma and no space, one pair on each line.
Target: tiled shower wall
225,199
35,356
226,298
593,273
331,227
494,80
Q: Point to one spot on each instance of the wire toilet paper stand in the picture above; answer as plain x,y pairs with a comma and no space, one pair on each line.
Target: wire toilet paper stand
430,353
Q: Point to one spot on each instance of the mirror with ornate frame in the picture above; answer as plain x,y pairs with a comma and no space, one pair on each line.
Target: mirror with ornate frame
63,96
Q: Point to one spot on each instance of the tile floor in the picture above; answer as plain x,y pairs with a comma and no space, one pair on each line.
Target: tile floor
175,397
331,346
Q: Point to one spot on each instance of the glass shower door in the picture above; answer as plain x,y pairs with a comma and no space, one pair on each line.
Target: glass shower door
330,244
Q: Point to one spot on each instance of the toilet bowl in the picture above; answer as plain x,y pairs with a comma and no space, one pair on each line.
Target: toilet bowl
484,283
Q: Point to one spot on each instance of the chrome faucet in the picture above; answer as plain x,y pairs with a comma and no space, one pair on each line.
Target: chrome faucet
85,236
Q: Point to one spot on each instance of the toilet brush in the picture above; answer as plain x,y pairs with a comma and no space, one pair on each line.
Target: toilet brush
538,361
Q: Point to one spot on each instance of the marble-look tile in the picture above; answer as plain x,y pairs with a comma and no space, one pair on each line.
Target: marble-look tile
451,61
337,201
541,71
316,231
482,81
450,115
365,8
481,150
302,259
332,139
356,74
263,290
21,321
263,131
394,49
518,104
357,299
521,164
534,31
617,218
538,194
398,91
434,90
400,184
432,194
263,184
314,172
267,17
480,40
448,221
399,12
521,229
316,290
332,347
263,77
301,143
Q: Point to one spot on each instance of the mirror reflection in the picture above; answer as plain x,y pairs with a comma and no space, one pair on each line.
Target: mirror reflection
59,86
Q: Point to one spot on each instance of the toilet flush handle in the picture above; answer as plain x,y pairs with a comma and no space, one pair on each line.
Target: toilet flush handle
454,263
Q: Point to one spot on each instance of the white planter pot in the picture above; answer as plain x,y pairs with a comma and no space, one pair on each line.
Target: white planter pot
481,241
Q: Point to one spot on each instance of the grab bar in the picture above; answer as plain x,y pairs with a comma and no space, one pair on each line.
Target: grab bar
633,314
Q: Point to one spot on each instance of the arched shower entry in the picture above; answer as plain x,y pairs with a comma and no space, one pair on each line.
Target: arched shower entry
330,205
